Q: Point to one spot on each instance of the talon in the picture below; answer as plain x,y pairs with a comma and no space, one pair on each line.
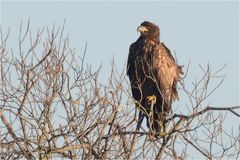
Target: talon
162,133
152,99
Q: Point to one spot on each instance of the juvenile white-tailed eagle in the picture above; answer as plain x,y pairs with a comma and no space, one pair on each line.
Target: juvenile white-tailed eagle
153,75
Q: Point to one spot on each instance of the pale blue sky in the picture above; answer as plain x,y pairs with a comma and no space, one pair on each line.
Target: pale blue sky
198,31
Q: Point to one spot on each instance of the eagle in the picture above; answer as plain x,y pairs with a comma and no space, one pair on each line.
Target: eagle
153,74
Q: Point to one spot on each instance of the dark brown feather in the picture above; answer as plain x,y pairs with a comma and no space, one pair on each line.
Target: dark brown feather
152,70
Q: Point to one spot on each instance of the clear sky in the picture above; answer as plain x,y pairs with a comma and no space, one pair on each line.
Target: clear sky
199,31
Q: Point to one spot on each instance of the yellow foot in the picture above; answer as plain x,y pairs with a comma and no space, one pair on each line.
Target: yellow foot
152,99
162,133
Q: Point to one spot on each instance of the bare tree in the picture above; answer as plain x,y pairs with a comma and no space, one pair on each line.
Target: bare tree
52,104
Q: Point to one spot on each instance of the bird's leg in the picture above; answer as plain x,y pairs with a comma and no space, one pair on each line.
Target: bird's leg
142,112
151,100
151,116
140,119
162,128
162,121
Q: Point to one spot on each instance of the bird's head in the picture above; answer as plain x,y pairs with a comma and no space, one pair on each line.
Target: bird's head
149,29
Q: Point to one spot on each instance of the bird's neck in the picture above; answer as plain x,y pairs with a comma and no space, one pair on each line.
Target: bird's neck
149,38
148,44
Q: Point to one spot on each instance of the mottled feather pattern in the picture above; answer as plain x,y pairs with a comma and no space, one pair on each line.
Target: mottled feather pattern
168,73
152,70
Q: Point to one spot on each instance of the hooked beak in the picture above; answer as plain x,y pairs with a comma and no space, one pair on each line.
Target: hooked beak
142,29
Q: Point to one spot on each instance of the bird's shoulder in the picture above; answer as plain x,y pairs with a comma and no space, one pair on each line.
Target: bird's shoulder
137,44
166,63
164,53
132,51
135,49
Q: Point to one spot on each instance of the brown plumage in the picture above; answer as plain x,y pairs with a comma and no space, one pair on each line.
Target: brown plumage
152,71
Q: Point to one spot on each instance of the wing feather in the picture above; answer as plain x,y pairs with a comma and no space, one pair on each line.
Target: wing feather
167,72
